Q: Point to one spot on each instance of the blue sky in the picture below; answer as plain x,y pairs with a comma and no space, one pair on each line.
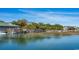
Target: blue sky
64,16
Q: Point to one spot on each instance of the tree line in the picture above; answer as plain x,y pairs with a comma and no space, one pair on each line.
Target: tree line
24,24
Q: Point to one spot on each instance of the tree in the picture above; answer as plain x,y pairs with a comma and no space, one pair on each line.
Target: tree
22,23
57,27
31,26
2,21
42,26
14,22
36,25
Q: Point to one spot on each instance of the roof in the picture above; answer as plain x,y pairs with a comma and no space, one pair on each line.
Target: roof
6,24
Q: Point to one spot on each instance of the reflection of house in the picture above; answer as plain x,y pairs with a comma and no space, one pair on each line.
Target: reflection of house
7,27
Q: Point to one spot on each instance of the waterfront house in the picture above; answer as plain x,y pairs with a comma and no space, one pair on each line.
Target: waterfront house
7,27
77,29
69,28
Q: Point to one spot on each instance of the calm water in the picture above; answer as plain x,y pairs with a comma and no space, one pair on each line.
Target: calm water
39,42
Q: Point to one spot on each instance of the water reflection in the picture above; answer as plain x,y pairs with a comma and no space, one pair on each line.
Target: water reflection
22,38
60,36
25,38
14,41
37,41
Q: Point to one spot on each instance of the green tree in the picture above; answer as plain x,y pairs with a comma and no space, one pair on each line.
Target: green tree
14,22
31,26
57,27
22,23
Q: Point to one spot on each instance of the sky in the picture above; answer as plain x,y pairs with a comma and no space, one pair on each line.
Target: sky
63,16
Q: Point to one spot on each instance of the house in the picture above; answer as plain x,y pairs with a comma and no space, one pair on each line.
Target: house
69,28
77,29
7,27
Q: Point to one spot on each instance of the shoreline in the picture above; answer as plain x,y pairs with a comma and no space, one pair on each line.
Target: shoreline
72,33
59,33
53,33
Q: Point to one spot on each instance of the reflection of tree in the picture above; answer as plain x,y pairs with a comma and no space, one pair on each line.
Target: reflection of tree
20,39
24,38
5,38
59,36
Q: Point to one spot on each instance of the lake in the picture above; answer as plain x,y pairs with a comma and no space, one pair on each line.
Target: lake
39,42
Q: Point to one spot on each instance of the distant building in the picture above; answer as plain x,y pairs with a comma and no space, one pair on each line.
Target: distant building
77,28
69,28
7,27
